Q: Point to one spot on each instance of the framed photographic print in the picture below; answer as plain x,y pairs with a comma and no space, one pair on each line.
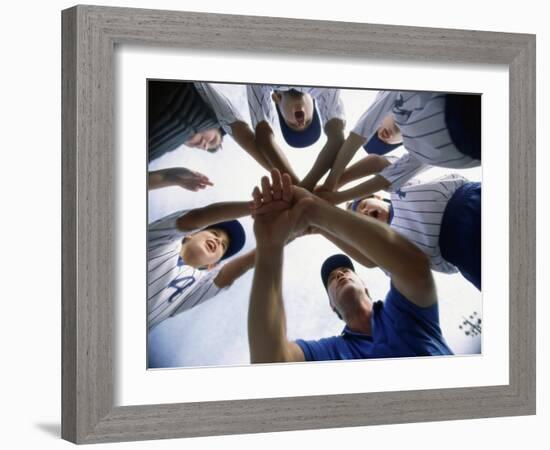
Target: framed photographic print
172,292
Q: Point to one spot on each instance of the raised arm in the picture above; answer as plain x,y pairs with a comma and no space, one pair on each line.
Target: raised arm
334,129
262,115
372,185
178,176
369,165
211,214
345,154
408,265
390,178
244,136
349,250
235,268
267,336
365,128
270,150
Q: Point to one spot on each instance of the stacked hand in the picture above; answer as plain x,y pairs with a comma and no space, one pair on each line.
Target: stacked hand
277,209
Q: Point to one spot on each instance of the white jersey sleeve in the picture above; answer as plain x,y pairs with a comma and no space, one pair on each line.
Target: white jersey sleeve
371,119
224,108
329,104
401,171
260,104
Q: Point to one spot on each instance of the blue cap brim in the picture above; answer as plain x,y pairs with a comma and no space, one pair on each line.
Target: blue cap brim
302,138
237,236
334,262
378,147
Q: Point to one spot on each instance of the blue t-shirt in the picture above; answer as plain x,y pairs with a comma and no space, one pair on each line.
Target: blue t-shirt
399,329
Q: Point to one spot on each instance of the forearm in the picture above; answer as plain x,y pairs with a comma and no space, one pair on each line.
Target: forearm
267,146
235,269
157,179
327,156
375,240
211,214
345,154
349,250
244,136
266,315
372,185
370,165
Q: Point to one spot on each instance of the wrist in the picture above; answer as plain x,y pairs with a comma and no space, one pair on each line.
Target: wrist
268,249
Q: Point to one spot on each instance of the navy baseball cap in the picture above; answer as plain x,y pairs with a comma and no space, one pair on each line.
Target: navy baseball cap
378,146
237,236
302,138
334,262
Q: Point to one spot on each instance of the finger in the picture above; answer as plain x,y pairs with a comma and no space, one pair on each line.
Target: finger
287,188
266,190
276,184
257,197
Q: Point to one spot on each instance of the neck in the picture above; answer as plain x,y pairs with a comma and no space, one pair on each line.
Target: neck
359,320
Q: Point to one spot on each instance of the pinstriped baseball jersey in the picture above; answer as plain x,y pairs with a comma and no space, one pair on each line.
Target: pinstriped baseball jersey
328,102
224,108
173,286
421,118
418,211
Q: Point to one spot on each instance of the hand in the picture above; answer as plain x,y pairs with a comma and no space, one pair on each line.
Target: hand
277,209
275,196
185,178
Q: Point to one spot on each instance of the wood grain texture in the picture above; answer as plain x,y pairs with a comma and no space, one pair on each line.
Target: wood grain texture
89,36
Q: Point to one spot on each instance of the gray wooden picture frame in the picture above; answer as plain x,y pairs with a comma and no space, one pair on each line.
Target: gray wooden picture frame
90,34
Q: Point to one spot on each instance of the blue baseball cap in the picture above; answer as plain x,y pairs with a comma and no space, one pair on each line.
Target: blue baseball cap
237,236
378,146
302,138
334,262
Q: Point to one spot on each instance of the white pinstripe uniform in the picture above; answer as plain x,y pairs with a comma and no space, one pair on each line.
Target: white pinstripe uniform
418,209
226,111
327,100
172,286
421,118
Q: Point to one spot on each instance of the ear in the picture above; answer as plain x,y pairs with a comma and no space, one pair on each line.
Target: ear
276,97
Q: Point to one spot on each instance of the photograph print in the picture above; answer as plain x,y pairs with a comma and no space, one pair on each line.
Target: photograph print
308,223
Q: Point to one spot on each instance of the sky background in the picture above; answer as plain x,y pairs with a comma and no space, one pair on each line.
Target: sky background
215,333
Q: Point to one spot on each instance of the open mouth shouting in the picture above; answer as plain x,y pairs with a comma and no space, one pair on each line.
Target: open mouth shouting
211,245
300,118
385,134
374,213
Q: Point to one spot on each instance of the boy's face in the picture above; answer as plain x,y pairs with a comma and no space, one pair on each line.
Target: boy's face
206,140
388,131
375,208
205,247
295,107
